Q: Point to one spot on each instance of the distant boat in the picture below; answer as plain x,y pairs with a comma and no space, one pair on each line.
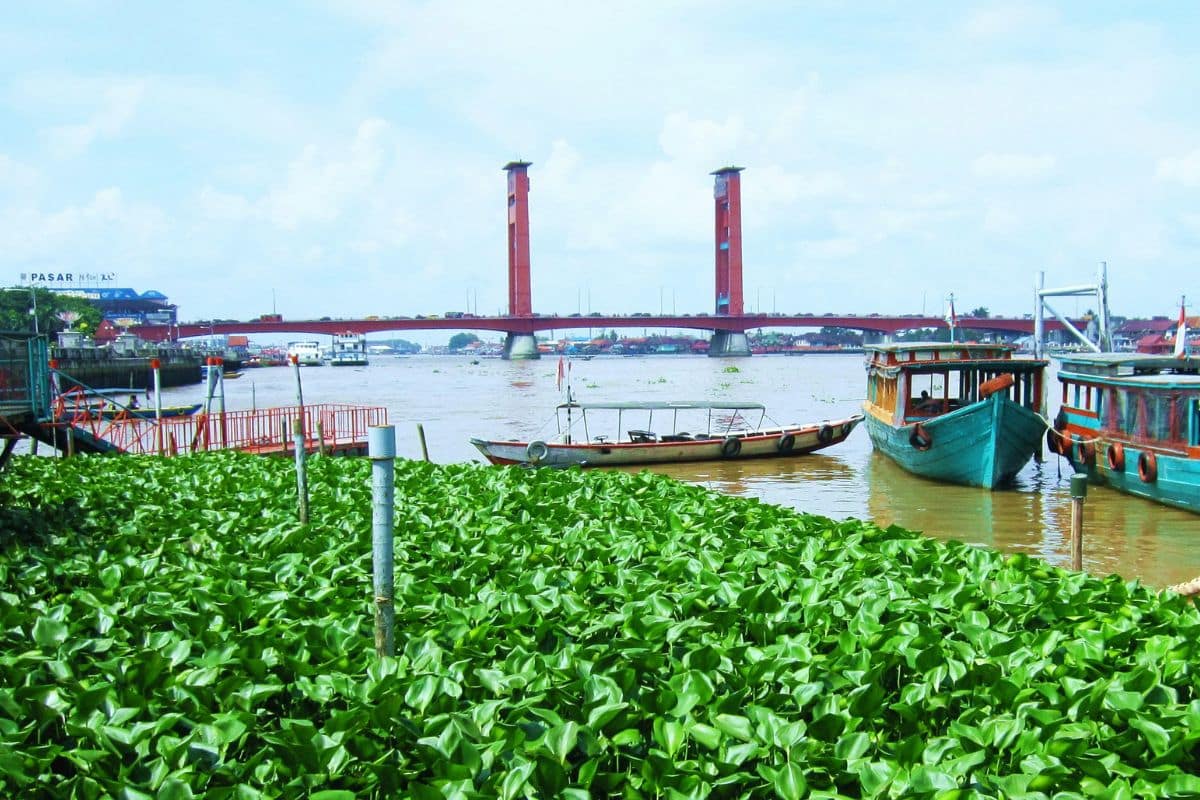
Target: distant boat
307,354
960,413
349,350
1132,421
149,413
723,433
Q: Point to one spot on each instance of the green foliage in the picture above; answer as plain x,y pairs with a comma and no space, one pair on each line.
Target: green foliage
168,630
15,305
978,313
460,340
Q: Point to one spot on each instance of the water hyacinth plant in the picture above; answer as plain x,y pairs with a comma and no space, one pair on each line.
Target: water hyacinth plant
168,630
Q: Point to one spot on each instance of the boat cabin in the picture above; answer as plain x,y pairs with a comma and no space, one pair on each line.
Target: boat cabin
910,382
606,422
1136,398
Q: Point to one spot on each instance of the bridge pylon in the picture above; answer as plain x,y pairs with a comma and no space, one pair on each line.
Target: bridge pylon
727,199
520,302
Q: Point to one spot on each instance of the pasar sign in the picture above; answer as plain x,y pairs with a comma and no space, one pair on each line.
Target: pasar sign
68,278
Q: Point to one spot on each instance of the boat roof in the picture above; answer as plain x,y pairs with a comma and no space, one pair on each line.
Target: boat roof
970,347
1144,367
668,405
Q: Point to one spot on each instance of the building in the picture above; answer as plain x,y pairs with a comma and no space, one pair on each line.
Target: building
125,307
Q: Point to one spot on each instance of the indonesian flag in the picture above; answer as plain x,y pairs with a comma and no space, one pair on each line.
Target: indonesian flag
1181,334
561,372
951,317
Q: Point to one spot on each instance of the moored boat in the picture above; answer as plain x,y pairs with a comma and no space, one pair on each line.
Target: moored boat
149,413
957,412
349,350
723,432
1132,421
307,354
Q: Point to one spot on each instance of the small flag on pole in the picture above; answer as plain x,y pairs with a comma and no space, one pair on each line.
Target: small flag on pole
1181,332
951,318
561,372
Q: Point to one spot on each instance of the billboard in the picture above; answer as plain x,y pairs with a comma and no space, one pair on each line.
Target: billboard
51,279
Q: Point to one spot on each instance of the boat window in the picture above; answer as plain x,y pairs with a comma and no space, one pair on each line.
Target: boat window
1129,411
1179,421
1158,421
1110,416
1194,437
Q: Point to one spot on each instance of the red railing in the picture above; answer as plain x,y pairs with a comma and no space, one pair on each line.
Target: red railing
265,430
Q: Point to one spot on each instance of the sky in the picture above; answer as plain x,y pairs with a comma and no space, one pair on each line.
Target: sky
344,157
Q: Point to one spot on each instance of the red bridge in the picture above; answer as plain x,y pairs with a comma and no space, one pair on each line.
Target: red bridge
729,322
536,323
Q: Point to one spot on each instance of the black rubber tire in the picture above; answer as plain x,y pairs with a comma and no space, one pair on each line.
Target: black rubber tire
731,447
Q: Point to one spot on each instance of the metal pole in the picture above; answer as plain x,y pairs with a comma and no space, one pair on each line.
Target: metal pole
1078,493
301,472
1102,292
1038,285
221,380
381,448
156,365
299,387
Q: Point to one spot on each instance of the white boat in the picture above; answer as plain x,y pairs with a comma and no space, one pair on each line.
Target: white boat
349,350
594,435
307,354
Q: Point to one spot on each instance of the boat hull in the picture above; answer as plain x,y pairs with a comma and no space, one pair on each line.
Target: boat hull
984,444
1176,481
771,443
356,361
149,413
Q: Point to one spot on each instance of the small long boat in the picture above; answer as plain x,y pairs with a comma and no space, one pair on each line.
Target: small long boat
1132,421
722,431
955,412
149,413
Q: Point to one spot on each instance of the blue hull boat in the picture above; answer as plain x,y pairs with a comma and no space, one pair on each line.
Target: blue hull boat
1132,422
958,413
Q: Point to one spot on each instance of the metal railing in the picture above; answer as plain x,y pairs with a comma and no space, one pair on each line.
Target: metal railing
333,425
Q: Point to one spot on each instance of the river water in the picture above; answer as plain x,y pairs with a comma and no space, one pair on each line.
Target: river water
456,397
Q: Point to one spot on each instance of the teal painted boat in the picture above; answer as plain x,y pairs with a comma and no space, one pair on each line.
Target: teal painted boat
954,412
1132,421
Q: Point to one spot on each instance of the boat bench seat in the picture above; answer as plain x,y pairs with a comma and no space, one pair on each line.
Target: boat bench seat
676,437
642,437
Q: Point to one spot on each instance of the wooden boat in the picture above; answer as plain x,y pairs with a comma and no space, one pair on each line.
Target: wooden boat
726,434
148,413
1132,421
960,413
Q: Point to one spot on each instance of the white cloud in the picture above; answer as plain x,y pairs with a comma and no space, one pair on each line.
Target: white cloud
1184,169
1008,18
318,185
702,141
831,249
1012,166
106,230
120,102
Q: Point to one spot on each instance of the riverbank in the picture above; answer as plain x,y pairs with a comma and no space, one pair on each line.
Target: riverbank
170,628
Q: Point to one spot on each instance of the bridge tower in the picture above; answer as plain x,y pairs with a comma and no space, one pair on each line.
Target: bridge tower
520,303
727,197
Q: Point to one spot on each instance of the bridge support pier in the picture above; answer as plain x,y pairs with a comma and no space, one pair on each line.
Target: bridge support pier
726,344
520,346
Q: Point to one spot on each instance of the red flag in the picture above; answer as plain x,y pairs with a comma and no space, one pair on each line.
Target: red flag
1181,333
561,372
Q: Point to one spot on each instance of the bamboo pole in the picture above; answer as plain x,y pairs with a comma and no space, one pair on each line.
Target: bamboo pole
1078,493
421,437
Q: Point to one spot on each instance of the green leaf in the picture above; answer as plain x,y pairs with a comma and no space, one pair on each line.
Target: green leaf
736,726
789,782
561,739
50,632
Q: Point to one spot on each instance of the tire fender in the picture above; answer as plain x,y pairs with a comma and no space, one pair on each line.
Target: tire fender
536,452
785,443
920,438
731,446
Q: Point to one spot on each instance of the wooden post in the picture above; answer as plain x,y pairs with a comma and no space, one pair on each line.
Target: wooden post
421,436
70,441
1078,493
171,446
283,438
320,438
